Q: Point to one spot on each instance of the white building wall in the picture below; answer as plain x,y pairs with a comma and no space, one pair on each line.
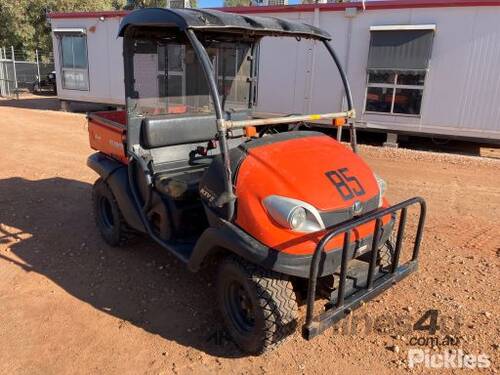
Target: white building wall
283,71
461,89
105,60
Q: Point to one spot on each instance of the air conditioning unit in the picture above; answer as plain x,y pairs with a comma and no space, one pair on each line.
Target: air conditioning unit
178,4
269,2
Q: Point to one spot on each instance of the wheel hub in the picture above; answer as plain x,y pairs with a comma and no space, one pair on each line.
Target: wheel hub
240,307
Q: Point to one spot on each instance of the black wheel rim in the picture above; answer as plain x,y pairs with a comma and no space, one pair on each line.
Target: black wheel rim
240,307
106,213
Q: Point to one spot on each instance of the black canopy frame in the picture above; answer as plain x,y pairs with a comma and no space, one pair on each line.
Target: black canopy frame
214,20
194,21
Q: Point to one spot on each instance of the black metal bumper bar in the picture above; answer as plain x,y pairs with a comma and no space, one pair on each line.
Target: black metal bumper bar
374,286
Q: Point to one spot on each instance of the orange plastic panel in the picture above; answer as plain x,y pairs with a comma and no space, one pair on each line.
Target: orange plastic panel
108,139
297,169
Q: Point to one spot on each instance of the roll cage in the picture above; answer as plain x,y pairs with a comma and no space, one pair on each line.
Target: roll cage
192,23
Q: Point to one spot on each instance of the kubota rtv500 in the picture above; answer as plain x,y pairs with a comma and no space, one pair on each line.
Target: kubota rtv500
290,214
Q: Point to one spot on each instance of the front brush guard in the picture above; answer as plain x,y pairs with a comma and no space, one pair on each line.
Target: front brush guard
340,306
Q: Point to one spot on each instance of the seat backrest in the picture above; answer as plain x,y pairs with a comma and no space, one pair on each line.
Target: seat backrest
170,130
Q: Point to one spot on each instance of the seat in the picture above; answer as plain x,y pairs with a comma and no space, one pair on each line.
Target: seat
171,141
170,130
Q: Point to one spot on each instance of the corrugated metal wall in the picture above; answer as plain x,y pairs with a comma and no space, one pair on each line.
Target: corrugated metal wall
480,104
462,88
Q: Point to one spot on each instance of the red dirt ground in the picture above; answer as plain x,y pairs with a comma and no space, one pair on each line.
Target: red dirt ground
71,304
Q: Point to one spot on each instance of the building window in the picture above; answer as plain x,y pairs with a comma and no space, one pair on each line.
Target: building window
74,62
398,62
394,92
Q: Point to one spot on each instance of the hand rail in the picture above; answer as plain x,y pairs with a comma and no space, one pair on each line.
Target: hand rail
228,124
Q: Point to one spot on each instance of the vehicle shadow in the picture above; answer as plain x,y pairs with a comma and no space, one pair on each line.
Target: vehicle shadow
48,225
43,102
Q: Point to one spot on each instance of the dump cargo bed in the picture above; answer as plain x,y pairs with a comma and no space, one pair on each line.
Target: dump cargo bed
107,133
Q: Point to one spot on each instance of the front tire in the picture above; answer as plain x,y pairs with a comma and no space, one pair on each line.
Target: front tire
107,214
258,306
386,255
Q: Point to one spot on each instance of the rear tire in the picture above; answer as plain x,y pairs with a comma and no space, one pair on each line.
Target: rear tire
107,214
258,306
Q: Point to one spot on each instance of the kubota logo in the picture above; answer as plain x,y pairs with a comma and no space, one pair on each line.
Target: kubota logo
357,208
115,144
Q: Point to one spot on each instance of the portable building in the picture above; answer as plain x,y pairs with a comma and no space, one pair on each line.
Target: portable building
415,66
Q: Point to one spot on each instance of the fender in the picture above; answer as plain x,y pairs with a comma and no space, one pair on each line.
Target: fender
229,237
115,175
226,236
102,165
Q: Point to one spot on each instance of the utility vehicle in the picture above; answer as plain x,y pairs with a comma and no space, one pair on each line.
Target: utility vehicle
45,84
291,215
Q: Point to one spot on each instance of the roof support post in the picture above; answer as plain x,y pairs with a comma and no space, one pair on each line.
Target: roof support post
347,90
228,197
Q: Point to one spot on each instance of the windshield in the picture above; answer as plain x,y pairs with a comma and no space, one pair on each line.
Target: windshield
168,78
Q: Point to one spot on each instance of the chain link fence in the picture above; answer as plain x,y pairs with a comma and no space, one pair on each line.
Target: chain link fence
25,71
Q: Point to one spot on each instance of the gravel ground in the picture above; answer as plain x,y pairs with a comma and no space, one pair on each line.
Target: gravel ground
71,304
428,156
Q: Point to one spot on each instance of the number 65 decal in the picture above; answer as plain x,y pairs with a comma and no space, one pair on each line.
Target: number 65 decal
347,186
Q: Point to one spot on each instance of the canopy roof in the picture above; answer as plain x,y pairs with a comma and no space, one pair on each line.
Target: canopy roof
214,20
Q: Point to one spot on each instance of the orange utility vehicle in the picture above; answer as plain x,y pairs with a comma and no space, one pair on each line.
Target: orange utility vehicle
290,214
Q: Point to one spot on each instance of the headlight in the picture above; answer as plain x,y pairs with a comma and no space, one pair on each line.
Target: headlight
382,187
298,217
293,214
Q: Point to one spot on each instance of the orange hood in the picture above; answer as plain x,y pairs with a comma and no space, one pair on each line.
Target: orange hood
307,166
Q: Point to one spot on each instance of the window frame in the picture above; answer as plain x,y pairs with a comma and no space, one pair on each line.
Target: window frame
394,86
60,34
236,79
